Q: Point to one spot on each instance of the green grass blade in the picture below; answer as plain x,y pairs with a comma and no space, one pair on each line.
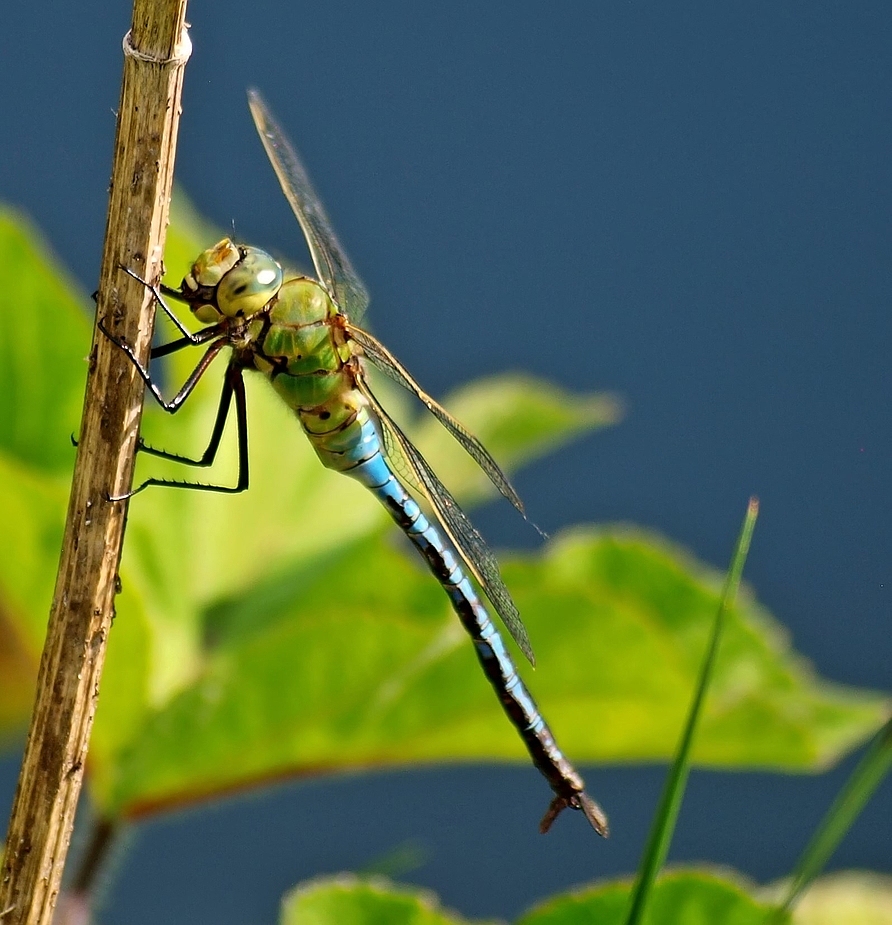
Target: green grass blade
664,823
846,808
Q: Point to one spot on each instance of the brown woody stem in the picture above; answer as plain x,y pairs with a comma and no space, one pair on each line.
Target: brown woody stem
156,50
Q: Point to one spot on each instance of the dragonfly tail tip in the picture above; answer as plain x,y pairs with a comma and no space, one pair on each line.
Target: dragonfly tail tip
595,815
582,801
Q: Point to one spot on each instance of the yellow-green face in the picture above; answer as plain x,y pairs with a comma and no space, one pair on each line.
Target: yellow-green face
243,280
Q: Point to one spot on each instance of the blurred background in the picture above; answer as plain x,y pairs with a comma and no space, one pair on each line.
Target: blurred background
688,206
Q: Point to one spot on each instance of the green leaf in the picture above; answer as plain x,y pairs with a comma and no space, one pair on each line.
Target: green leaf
684,897
33,505
644,608
687,897
349,900
287,632
44,343
355,659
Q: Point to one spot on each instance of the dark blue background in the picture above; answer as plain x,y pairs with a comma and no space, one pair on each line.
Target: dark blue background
683,203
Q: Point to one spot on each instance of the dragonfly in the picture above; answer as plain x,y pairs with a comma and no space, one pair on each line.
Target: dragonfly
304,336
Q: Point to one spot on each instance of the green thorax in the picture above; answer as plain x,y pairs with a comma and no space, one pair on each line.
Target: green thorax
299,344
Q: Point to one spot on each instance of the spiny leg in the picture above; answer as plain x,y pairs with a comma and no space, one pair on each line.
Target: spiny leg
188,339
176,402
158,295
173,406
207,458
233,385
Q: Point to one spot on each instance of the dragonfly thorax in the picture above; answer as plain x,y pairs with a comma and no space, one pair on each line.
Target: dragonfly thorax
229,281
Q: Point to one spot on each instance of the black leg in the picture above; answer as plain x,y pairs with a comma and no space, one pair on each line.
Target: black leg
176,402
188,339
210,454
193,340
233,385
158,296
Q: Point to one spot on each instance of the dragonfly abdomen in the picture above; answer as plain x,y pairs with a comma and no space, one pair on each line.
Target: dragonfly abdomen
492,653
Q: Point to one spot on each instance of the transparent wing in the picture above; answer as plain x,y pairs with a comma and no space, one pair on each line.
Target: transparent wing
332,265
470,545
384,360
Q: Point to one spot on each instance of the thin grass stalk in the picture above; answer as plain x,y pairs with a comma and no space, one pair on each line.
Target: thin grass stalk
670,803
845,809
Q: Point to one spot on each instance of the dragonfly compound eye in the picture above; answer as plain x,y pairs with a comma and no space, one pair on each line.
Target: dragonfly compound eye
200,285
212,265
248,286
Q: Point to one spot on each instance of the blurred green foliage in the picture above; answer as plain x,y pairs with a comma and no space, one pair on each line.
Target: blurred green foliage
237,615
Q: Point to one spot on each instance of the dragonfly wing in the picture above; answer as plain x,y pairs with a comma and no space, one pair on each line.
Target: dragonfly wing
470,545
383,359
332,265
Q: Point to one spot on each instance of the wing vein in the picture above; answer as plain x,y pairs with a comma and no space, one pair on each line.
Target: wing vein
384,360
331,262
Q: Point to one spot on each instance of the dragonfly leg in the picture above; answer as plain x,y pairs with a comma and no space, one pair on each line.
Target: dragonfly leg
158,295
193,340
233,386
210,454
176,402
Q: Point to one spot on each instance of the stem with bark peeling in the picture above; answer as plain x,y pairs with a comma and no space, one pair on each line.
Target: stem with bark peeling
157,48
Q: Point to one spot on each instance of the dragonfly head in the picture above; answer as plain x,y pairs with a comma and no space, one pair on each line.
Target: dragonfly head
228,281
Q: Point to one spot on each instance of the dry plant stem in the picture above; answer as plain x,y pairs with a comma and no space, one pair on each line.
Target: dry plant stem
68,683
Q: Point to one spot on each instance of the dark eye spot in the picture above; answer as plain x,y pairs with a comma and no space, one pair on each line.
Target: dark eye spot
324,415
239,289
